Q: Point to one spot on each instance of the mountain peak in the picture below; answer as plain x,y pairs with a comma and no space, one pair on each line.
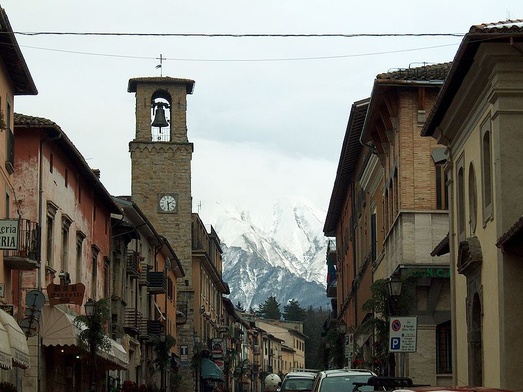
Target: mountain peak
278,247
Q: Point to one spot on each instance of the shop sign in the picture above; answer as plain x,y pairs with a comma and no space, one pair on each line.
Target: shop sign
66,293
8,234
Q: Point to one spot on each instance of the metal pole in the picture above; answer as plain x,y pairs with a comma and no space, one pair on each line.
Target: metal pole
92,353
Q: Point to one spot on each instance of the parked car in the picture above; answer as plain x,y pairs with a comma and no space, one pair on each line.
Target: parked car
343,380
298,381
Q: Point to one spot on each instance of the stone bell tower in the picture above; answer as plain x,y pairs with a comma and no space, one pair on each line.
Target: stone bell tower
161,180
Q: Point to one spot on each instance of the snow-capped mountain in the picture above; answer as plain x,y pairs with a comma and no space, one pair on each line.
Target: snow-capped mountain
279,250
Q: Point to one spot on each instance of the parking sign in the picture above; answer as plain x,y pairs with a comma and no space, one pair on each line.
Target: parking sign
403,334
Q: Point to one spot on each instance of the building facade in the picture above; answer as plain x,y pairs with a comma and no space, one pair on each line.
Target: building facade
388,211
478,118
15,79
56,189
143,298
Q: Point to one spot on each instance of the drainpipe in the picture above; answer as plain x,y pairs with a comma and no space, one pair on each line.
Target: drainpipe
354,263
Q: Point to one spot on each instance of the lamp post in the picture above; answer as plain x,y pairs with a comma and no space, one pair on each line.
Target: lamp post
243,368
394,286
90,310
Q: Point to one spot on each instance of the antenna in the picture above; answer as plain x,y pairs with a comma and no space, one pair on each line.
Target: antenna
161,58
199,206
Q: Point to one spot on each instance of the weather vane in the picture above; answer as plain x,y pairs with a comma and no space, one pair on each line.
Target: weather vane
160,65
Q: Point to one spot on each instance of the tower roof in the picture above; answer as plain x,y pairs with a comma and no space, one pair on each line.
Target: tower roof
160,80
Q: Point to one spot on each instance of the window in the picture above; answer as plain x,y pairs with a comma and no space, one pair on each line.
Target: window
439,156
107,277
51,163
51,213
94,269
460,213
79,241
444,348
373,234
486,169
7,205
10,140
473,200
66,224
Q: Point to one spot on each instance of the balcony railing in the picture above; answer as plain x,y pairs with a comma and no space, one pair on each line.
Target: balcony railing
134,321
143,280
157,282
27,256
133,264
154,329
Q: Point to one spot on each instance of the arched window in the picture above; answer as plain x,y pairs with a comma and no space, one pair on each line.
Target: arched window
486,169
473,200
460,213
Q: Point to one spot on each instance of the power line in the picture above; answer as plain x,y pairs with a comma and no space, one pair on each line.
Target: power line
240,60
228,35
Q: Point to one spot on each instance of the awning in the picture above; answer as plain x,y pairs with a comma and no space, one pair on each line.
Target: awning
6,360
211,371
58,328
17,340
117,357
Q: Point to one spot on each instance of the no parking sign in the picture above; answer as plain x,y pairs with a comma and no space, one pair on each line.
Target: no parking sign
403,334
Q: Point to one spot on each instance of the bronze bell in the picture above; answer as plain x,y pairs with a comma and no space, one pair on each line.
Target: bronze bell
159,117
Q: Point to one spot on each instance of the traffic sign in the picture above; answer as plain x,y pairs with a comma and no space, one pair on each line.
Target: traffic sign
403,334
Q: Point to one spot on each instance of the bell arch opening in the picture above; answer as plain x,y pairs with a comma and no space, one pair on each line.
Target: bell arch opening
161,116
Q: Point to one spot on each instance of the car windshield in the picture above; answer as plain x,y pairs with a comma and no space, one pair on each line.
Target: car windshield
297,384
345,383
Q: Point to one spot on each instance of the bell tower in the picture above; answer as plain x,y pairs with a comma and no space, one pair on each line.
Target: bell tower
161,178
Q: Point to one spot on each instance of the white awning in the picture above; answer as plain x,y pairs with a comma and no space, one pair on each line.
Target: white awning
58,328
6,361
116,355
17,340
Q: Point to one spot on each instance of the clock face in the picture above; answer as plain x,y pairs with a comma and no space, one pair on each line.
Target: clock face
167,203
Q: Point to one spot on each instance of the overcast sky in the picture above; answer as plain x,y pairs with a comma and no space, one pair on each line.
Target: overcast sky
268,114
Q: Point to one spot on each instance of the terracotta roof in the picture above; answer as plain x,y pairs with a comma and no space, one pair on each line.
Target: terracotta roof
504,32
506,26
162,80
14,60
424,73
511,234
350,151
31,121
67,146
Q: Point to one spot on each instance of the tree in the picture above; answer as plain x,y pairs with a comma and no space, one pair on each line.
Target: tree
382,306
94,334
270,309
293,311
313,328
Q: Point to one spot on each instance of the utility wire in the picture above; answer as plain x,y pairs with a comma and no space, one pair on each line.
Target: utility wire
242,60
228,35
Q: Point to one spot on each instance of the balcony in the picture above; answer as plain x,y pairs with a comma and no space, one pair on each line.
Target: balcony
154,329
134,322
157,282
133,264
143,280
27,254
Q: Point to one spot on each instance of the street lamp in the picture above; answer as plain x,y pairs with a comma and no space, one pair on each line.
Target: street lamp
90,310
394,285
394,288
243,368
